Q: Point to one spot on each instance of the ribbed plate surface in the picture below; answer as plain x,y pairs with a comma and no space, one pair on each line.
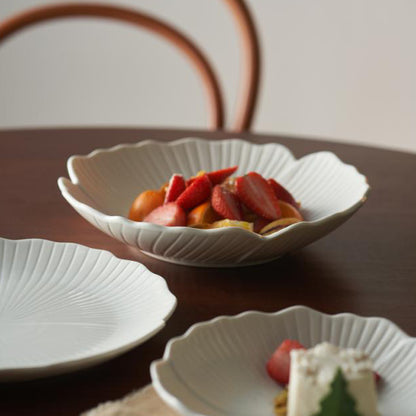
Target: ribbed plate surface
218,367
104,184
64,306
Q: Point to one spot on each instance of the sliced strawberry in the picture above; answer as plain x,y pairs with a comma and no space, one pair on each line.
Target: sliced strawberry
278,365
196,193
175,188
290,344
282,193
170,214
254,191
260,223
248,214
219,176
192,178
226,203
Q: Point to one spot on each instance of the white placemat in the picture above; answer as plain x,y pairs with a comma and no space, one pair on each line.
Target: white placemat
144,402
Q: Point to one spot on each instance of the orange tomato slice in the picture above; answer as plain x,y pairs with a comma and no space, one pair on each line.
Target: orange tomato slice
289,211
145,203
202,214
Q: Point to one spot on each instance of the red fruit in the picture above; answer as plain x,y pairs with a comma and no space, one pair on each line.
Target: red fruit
282,193
290,344
254,191
260,223
192,178
196,193
218,176
226,203
190,181
175,188
170,214
377,377
278,366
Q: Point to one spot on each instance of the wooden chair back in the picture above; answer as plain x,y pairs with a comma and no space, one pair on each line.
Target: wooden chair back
250,78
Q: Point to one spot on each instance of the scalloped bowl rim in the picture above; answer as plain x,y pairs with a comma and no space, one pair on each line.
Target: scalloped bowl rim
99,356
149,226
200,326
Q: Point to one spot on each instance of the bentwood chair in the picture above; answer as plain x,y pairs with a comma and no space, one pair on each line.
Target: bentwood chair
249,41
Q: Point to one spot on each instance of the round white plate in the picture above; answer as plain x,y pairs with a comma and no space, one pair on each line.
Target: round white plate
218,367
103,185
64,306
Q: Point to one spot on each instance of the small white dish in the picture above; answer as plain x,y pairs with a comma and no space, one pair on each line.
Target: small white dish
218,367
64,307
103,185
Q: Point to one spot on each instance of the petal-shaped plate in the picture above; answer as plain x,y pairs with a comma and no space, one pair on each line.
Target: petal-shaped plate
64,306
104,184
218,367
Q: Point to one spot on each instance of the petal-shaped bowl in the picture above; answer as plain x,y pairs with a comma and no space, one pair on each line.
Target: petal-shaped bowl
218,367
64,306
104,184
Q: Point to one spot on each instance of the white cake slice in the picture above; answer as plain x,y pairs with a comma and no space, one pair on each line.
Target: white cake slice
313,370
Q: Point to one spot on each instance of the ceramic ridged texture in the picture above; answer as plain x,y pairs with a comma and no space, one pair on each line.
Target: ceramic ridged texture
64,306
104,184
218,367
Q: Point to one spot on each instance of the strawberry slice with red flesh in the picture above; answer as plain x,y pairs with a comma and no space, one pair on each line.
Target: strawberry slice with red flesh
278,366
226,204
255,192
196,193
170,215
175,188
282,193
219,176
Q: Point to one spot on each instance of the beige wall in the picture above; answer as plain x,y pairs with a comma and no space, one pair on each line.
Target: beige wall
344,70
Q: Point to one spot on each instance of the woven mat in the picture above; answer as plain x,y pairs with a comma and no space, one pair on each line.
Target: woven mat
144,402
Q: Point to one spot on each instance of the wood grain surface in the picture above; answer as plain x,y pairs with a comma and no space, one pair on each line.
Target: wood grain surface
367,266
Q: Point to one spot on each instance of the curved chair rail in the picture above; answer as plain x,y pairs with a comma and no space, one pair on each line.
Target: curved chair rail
250,77
178,39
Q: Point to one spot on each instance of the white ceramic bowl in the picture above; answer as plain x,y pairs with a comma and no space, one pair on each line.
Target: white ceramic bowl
104,184
64,306
218,367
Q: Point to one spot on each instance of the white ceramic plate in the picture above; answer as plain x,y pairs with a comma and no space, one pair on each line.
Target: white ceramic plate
104,184
218,367
64,306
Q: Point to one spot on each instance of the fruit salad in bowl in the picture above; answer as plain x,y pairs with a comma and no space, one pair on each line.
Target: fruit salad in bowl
216,200
103,187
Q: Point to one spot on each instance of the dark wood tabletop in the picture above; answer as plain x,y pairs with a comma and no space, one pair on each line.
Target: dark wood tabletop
367,266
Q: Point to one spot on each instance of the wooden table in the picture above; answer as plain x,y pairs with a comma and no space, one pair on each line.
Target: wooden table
367,266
